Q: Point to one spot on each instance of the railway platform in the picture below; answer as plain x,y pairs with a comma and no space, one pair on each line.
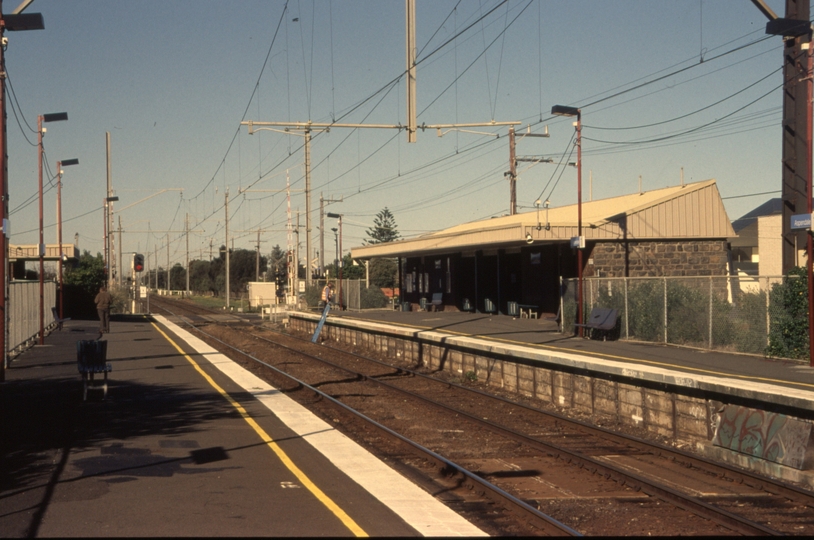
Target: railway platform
186,443
684,395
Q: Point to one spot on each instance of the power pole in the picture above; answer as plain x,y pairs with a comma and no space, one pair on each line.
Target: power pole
226,207
186,235
120,273
796,31
169,287
512,174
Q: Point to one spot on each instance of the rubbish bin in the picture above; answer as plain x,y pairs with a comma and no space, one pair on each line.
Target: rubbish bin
405,306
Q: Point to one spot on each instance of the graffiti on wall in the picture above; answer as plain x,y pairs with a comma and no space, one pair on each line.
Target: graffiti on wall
765,435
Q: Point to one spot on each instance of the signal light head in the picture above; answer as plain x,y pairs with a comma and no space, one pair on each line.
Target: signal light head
138,262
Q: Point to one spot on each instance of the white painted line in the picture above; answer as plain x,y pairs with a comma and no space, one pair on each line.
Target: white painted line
416,507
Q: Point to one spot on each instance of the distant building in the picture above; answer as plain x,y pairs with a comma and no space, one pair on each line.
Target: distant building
674,231
758,248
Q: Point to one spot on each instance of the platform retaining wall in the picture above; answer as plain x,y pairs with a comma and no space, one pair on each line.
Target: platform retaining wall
656,403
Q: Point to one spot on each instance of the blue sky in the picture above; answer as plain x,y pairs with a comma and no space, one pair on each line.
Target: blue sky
694,84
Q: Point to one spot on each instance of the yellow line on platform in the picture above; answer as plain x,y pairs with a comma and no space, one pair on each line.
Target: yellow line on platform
613,357
318,493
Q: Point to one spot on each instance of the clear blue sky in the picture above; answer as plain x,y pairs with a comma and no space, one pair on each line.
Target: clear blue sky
171,81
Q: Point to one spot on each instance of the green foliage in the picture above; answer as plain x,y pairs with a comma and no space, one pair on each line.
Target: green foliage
373,298
646,315
88,274
199,278
384,228
747,324
383,272
278,263
788,326
470,376
313,294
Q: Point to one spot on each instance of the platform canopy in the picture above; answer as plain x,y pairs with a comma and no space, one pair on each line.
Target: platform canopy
691,211
29,252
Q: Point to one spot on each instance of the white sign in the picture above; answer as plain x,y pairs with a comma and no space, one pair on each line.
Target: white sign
142,292
577,242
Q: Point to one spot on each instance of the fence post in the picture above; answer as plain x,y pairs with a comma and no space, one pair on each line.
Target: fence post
768,322
710,312
627,312
562,313
665,309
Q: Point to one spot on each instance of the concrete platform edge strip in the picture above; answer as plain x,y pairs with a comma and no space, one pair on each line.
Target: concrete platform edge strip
420,510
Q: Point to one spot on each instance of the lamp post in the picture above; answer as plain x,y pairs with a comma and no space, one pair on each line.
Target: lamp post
336,250
61,164
53,117
12,21
562,110
107,201
339,223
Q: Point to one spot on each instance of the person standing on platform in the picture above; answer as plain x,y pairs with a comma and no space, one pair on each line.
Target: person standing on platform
327,294
103,309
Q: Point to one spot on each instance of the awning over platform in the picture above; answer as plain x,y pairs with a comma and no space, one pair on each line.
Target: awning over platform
29,252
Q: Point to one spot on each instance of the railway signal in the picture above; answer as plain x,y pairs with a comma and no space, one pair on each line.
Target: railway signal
138,262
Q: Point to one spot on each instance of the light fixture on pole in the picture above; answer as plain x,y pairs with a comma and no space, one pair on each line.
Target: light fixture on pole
60,164
339,223
579,241
53,117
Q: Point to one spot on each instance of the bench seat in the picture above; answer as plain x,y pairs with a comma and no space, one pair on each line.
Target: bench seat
602,322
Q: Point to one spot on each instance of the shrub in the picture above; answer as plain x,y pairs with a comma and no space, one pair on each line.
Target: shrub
788,325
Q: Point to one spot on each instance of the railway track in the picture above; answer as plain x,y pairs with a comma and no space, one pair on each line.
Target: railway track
727,500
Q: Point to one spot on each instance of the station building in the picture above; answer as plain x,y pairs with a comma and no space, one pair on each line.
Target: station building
484,265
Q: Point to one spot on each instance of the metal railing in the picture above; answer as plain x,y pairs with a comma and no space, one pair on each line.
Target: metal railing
356,296
730,313
24,312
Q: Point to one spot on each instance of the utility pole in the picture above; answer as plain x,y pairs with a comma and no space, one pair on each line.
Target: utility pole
322,202
226,207
186,235
795,29
797,135
120,273
108,222
511,174
169,287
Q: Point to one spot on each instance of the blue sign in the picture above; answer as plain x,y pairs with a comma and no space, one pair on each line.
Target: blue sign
801,221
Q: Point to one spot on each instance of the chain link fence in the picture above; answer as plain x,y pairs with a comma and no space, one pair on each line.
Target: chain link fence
728,313
356,296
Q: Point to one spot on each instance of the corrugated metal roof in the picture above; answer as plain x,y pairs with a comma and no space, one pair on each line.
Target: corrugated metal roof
690,211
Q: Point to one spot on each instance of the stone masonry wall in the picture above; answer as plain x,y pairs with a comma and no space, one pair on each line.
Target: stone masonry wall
679,418
658,258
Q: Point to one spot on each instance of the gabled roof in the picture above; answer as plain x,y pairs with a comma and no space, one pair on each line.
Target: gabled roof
689,211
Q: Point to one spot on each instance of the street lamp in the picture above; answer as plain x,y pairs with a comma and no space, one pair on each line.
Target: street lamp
12,21
339,222
579,241
53,117
61,164
336,250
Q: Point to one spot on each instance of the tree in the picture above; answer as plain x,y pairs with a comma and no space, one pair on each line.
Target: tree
383,272
278,262
88,274
384,228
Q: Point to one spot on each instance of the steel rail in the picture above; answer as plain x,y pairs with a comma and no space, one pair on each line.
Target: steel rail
534,516
755,481
639,483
